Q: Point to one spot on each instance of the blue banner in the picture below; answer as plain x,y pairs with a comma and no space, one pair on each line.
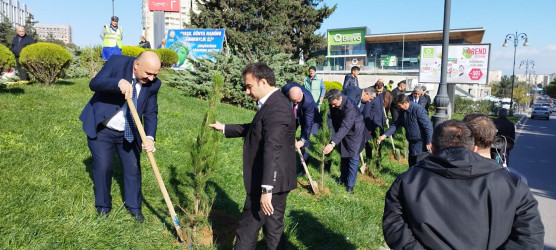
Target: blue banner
194,43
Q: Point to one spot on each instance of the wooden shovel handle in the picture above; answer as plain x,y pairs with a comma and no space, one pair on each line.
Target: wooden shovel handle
315,189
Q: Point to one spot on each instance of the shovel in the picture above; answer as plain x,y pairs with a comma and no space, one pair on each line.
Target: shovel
363,168
161,185
394,151
314,184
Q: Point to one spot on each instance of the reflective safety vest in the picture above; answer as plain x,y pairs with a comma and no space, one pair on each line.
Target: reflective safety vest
112,38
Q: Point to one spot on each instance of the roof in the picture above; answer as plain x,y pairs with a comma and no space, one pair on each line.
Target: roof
470,35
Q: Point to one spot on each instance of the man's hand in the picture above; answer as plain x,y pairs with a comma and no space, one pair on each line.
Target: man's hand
429,147
321,99
299,144
148,145
126,88
266,204
388,125
328,149
217,125
380,139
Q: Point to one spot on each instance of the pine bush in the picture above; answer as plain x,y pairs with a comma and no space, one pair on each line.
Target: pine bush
320,141
7,58
46,61
91,59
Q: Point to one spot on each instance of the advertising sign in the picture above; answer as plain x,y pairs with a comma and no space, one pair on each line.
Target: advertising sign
164,5
194,43
388,60
467,63
344,37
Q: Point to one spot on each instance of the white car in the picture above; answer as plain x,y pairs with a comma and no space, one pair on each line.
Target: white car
553,108
540,112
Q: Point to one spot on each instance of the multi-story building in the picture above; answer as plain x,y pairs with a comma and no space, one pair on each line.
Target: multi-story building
60,32
15,11
173,19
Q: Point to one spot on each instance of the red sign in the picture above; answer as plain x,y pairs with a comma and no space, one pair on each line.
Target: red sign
164,5
475,74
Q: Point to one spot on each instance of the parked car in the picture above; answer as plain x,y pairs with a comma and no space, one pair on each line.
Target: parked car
548,106
540,112
553,108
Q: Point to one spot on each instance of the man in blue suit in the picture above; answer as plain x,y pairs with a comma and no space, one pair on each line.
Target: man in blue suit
306,114
417,97
110,127
350,135
374,116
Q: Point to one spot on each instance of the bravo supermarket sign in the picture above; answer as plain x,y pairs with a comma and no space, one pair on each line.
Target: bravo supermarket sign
467,63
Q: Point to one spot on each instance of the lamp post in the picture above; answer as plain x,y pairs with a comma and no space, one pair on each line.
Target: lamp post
442,100
527,71
515,37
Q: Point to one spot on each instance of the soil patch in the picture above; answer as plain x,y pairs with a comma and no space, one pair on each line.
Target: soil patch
223,228
377,181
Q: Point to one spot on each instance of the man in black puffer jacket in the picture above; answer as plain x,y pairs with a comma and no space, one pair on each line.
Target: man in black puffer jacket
457,199
18,43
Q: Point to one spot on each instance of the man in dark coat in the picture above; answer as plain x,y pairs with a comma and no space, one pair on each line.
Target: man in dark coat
351,78
418,129
306,114
400,90
505,128
18,43
268,160
354,93
417,98
351,135
374,116
110,127
457,199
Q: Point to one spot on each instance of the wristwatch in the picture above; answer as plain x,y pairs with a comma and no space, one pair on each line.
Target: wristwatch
333,143
267,190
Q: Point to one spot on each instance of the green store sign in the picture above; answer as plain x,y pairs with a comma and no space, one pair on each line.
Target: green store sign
342,37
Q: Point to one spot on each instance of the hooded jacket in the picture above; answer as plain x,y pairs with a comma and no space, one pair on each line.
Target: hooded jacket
457,199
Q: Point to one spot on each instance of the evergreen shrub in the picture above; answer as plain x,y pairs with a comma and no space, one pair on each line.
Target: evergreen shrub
167,57
133,51
332,85
91,59
7,58
46,61
75,68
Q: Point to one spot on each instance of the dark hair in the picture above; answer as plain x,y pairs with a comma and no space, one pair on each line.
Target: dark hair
400,83
484,130
333,94
313,68
260,71
401,99
379,85
387,98
452,133
354,68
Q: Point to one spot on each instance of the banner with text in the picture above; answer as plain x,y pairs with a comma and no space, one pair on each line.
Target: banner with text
194,43
164,5
467,63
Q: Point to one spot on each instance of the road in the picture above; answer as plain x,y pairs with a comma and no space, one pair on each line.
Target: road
534,155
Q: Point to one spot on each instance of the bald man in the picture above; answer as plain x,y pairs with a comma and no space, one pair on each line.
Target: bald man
306,114
18,43
110,127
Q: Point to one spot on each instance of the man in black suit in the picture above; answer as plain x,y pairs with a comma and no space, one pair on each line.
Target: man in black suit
400,90
268,159
350,134
110,127
306,114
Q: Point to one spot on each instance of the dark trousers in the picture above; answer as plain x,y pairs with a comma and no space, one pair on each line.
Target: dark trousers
253,218
413,159
395,114
102,150
21,70
368,146
348,170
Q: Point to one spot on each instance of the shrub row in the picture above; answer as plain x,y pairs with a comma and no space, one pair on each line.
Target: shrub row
7,58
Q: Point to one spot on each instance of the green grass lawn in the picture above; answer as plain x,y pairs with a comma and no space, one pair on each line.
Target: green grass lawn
46,191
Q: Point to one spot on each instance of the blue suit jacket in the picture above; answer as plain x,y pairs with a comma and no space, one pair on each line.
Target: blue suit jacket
307,111
418,128
353,93
422,100
350,129
373,114
108,98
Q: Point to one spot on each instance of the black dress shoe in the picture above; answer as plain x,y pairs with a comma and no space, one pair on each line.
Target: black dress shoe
349,190
138,217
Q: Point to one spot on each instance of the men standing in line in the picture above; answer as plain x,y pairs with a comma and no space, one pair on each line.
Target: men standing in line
350,134
111,36
306,115
505,128
18,43
144,43
351,78
456,199
418,129
416,97
315,85
400,90
110,127
268,159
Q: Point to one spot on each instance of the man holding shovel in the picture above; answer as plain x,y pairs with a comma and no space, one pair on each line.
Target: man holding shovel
268,160
110,127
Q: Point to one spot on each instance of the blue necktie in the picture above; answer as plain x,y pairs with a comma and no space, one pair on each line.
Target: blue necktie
128,133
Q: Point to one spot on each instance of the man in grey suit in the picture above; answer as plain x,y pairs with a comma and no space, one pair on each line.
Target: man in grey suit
268,159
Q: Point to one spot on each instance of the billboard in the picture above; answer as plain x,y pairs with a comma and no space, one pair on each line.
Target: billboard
346,36
467,63
194,43
164,5
388,60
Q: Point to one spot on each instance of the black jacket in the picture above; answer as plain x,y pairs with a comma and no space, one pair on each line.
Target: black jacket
458,199
268,148
349,80
349,127
418,128
18,45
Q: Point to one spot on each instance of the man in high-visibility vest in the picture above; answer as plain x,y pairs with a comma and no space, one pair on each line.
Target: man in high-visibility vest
112,36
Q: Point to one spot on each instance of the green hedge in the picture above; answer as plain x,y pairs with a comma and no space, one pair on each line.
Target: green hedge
167,57
46,61
332,85
133,51
7,58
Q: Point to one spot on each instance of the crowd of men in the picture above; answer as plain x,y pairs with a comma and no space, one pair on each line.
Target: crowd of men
452,197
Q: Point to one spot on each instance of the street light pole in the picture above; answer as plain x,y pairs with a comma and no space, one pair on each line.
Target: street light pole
112,7
516,39
442,100
527,71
